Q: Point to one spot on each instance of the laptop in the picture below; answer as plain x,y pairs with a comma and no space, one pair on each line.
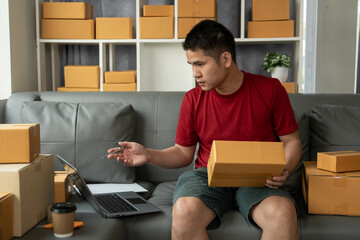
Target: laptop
109,205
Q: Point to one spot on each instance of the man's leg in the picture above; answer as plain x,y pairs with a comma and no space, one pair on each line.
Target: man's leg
276,216
190,217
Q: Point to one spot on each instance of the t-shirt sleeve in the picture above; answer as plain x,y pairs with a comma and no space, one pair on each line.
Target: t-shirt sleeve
185,132
283,115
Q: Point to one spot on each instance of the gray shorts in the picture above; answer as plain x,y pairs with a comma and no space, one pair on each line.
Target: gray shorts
194,183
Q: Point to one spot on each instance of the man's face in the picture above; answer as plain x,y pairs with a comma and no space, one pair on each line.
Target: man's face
208,73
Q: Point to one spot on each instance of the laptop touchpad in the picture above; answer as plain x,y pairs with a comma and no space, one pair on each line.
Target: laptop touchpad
135,200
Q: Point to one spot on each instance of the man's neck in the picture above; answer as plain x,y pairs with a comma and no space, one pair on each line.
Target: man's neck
232,83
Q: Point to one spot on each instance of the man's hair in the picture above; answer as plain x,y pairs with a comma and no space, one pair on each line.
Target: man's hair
211,37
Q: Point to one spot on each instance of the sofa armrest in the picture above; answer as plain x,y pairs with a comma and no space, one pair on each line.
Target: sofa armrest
2,110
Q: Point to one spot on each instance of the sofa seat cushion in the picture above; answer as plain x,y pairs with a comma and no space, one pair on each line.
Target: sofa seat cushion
334,128
84,131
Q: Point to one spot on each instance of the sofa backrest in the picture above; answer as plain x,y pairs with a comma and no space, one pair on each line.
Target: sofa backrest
156,116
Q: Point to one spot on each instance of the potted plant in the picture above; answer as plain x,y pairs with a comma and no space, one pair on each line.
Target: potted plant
278,65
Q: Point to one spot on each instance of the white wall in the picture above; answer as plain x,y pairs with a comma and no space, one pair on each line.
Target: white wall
17,47
336,46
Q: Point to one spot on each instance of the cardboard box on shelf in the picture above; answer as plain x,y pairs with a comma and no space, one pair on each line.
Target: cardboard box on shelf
67,89
290,87
158,10
19,143
82,76
199,8
186,24
32,185
244,163
63,186
156,27
271,29
67,10
267,10
339,161
331,193
67,29
120,77
6,216
114,28
120,87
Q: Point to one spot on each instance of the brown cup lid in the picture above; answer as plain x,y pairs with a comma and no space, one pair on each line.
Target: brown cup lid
63,207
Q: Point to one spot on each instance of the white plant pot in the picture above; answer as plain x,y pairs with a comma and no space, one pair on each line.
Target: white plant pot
280,73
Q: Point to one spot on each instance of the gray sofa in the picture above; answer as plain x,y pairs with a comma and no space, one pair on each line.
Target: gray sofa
82,126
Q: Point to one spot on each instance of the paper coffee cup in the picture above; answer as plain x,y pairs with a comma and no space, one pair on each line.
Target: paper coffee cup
63,219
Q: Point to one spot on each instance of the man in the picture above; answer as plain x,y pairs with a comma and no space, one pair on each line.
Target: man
227,104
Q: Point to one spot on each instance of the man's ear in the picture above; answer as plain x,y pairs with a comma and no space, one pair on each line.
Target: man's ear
226,59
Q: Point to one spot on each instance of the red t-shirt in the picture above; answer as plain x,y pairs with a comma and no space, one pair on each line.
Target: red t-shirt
259,110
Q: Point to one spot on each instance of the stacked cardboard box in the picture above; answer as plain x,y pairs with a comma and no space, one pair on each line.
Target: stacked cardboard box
114,28
271,18
157,22
331,185
26,179
192,12
244,163
120,81
67,20
80,78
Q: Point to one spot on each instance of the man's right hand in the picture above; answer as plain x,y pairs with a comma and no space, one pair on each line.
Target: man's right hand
134,154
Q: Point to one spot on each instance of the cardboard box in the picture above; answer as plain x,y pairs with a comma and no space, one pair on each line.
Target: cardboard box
120,77
244,164
33,187
121,87
339,161
63,186
19,143
271,29
6,216
197,8
67,89
267,10
331,193
67,10
67,29
290,87
156,27
158,10
186,24
114,28
82,76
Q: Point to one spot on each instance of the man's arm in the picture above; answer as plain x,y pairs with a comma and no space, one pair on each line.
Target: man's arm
293,150
135,154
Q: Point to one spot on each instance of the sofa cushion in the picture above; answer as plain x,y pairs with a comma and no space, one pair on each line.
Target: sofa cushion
82,133
334,128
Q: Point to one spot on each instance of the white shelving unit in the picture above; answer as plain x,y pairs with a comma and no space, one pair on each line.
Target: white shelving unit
160,63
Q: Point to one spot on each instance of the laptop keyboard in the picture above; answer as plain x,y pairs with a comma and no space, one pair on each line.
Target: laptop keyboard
114,204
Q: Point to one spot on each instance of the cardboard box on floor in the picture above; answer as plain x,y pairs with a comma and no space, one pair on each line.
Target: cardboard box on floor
114,28
67,29
32,185
267,10
244,164
6,216
19,143
331,193
81,76
63,186
67,10
339,161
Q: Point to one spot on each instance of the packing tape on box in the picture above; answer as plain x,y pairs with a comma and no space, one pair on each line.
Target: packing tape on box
340,182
